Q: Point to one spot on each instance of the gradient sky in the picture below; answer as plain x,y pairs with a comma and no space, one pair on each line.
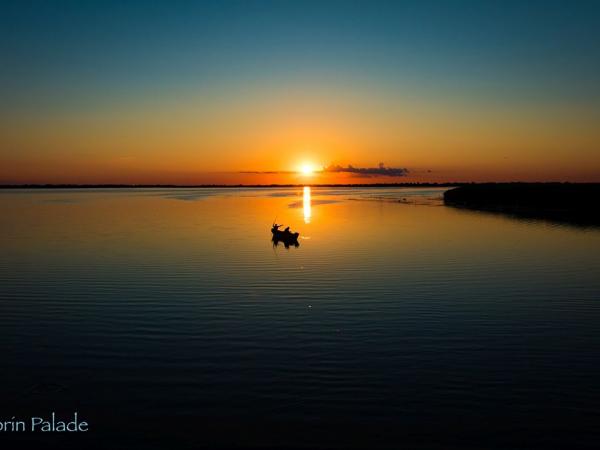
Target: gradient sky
198,92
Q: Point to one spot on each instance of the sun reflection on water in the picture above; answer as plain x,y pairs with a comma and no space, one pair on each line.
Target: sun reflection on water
306,204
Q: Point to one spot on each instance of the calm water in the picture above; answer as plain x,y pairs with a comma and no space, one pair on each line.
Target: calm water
168,315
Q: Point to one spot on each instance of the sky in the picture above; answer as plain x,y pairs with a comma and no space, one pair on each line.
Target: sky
254,91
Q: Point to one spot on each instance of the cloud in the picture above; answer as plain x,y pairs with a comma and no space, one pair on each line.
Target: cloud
380,170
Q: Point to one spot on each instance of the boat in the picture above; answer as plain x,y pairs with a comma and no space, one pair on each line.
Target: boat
286,236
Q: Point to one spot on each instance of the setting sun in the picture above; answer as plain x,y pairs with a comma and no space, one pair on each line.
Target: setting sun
307,169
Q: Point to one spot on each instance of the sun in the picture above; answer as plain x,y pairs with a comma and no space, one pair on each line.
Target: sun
307,169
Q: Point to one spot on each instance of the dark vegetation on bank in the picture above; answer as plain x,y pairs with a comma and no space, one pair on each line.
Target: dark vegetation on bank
574,203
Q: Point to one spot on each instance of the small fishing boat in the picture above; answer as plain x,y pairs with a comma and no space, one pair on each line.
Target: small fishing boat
285,236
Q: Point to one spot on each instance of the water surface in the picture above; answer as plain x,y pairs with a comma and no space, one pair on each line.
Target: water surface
168,316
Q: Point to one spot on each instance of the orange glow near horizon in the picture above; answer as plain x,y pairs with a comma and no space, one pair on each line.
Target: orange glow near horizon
249,138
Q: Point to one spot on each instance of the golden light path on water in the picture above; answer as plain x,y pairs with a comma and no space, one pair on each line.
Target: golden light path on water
306,204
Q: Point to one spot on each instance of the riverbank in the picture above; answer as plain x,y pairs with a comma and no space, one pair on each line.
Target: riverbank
560,202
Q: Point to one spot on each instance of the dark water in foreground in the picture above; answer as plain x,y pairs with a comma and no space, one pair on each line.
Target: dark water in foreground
167,319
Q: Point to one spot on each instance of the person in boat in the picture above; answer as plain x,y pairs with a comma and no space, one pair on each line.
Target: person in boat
287,230
276,227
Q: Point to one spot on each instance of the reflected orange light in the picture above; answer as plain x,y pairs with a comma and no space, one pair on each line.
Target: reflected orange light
306,205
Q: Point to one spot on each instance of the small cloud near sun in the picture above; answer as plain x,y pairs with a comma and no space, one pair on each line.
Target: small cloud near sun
380,170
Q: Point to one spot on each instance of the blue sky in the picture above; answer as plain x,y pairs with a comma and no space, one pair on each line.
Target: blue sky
495,47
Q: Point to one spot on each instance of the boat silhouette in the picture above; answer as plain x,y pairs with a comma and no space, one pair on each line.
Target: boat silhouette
286,236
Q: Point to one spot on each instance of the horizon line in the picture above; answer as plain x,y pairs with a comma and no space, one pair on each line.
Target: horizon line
275,185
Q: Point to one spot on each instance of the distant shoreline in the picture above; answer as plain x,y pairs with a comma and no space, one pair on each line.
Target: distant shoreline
207,186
